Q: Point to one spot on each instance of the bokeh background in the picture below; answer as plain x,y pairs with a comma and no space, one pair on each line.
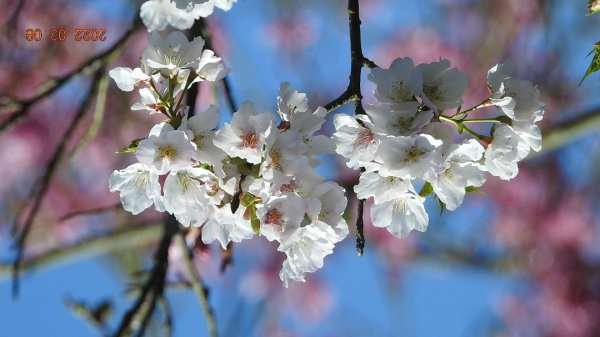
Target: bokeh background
521,259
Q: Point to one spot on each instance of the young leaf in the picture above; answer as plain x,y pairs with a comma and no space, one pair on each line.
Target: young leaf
593,6
131,148
595,65
247,199
473,189
254,220
426,190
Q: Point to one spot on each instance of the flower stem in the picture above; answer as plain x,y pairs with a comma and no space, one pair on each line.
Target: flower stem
487,102
461,127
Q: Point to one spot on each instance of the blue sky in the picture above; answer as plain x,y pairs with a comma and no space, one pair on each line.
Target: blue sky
435,299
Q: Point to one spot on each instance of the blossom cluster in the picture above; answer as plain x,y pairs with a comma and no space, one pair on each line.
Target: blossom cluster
407,139
254,175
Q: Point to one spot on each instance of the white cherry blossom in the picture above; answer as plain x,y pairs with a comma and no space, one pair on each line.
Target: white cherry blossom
186,197
210,67
227,227
382,189
245,136
504,152
172,53
280,216
201,127
149,102
518,99
408,157
166,149
290,103
305,250
442,87
401,215
400,83
329,208
127,78
400,119
355,142
138,188
460,169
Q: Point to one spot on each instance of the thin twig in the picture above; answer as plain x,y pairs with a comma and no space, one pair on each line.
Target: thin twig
92,211
198,285
229,95
97,117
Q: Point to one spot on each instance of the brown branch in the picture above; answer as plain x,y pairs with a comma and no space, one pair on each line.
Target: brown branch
92,211
227,257
353,94
357,62
153,288
562,133
40,188
130,236
203,30
23,107
360,235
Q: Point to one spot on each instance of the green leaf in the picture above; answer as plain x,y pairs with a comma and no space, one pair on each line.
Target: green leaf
247,199
473,189
426,190
595,65
255,170
593,6
131,148
238,161
254,221
244,169
176,122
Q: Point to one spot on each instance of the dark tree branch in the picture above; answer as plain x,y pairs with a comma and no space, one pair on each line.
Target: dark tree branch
20,109
202,29
353,94
153,288
357,62
360,235
227,255
39,190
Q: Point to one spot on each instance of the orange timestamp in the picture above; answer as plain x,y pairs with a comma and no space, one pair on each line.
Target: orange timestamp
63,34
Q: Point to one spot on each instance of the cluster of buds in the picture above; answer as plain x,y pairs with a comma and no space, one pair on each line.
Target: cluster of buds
408,140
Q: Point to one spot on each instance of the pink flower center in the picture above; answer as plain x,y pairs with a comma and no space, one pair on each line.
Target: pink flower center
365,136
249,140
290,187
274,217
